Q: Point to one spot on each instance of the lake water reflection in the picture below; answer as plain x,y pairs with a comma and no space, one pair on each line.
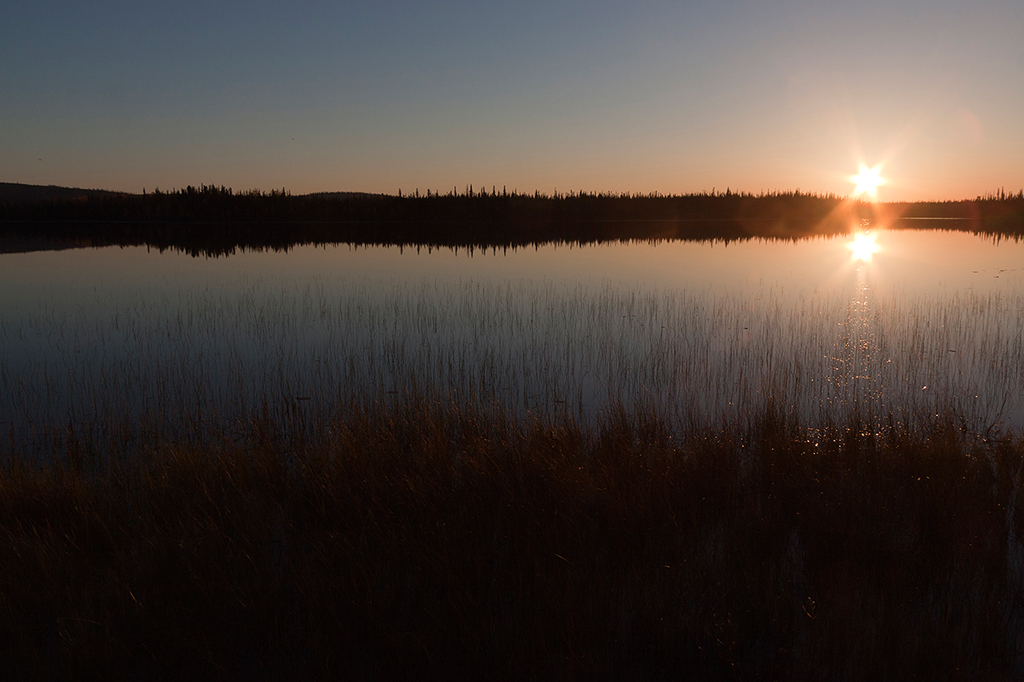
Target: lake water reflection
694,331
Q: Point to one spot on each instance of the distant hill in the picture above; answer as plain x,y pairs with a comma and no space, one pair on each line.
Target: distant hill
18,193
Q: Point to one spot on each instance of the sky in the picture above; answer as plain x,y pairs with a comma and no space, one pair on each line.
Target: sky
669,97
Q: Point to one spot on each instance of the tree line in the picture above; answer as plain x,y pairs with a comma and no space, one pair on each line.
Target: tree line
214,219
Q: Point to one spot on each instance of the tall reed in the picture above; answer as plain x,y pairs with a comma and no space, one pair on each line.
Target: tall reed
432,539
210,360
519,479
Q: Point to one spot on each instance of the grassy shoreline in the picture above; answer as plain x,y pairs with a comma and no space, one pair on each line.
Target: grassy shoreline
510,481
450,541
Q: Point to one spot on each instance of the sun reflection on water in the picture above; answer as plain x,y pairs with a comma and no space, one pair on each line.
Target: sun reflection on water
864,246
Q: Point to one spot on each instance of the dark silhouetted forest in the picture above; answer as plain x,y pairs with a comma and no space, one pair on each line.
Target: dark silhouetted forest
217,220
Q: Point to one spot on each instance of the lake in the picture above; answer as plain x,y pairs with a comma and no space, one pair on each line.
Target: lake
133,340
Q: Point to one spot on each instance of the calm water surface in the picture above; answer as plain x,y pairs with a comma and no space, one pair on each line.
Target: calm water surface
695,331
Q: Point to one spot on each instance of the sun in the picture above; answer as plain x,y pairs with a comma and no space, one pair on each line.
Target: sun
867,181
863,246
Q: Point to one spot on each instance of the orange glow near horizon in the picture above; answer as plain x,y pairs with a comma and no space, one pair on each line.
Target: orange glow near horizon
867,181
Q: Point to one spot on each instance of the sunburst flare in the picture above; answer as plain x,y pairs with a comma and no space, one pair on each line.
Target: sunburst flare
867,181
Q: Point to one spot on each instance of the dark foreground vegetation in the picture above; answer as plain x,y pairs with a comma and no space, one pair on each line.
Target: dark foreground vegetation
434,541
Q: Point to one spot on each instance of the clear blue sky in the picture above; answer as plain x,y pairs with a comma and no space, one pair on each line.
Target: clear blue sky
652,96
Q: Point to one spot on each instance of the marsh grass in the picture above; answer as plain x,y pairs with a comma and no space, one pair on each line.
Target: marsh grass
427,538
194,367
514,481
